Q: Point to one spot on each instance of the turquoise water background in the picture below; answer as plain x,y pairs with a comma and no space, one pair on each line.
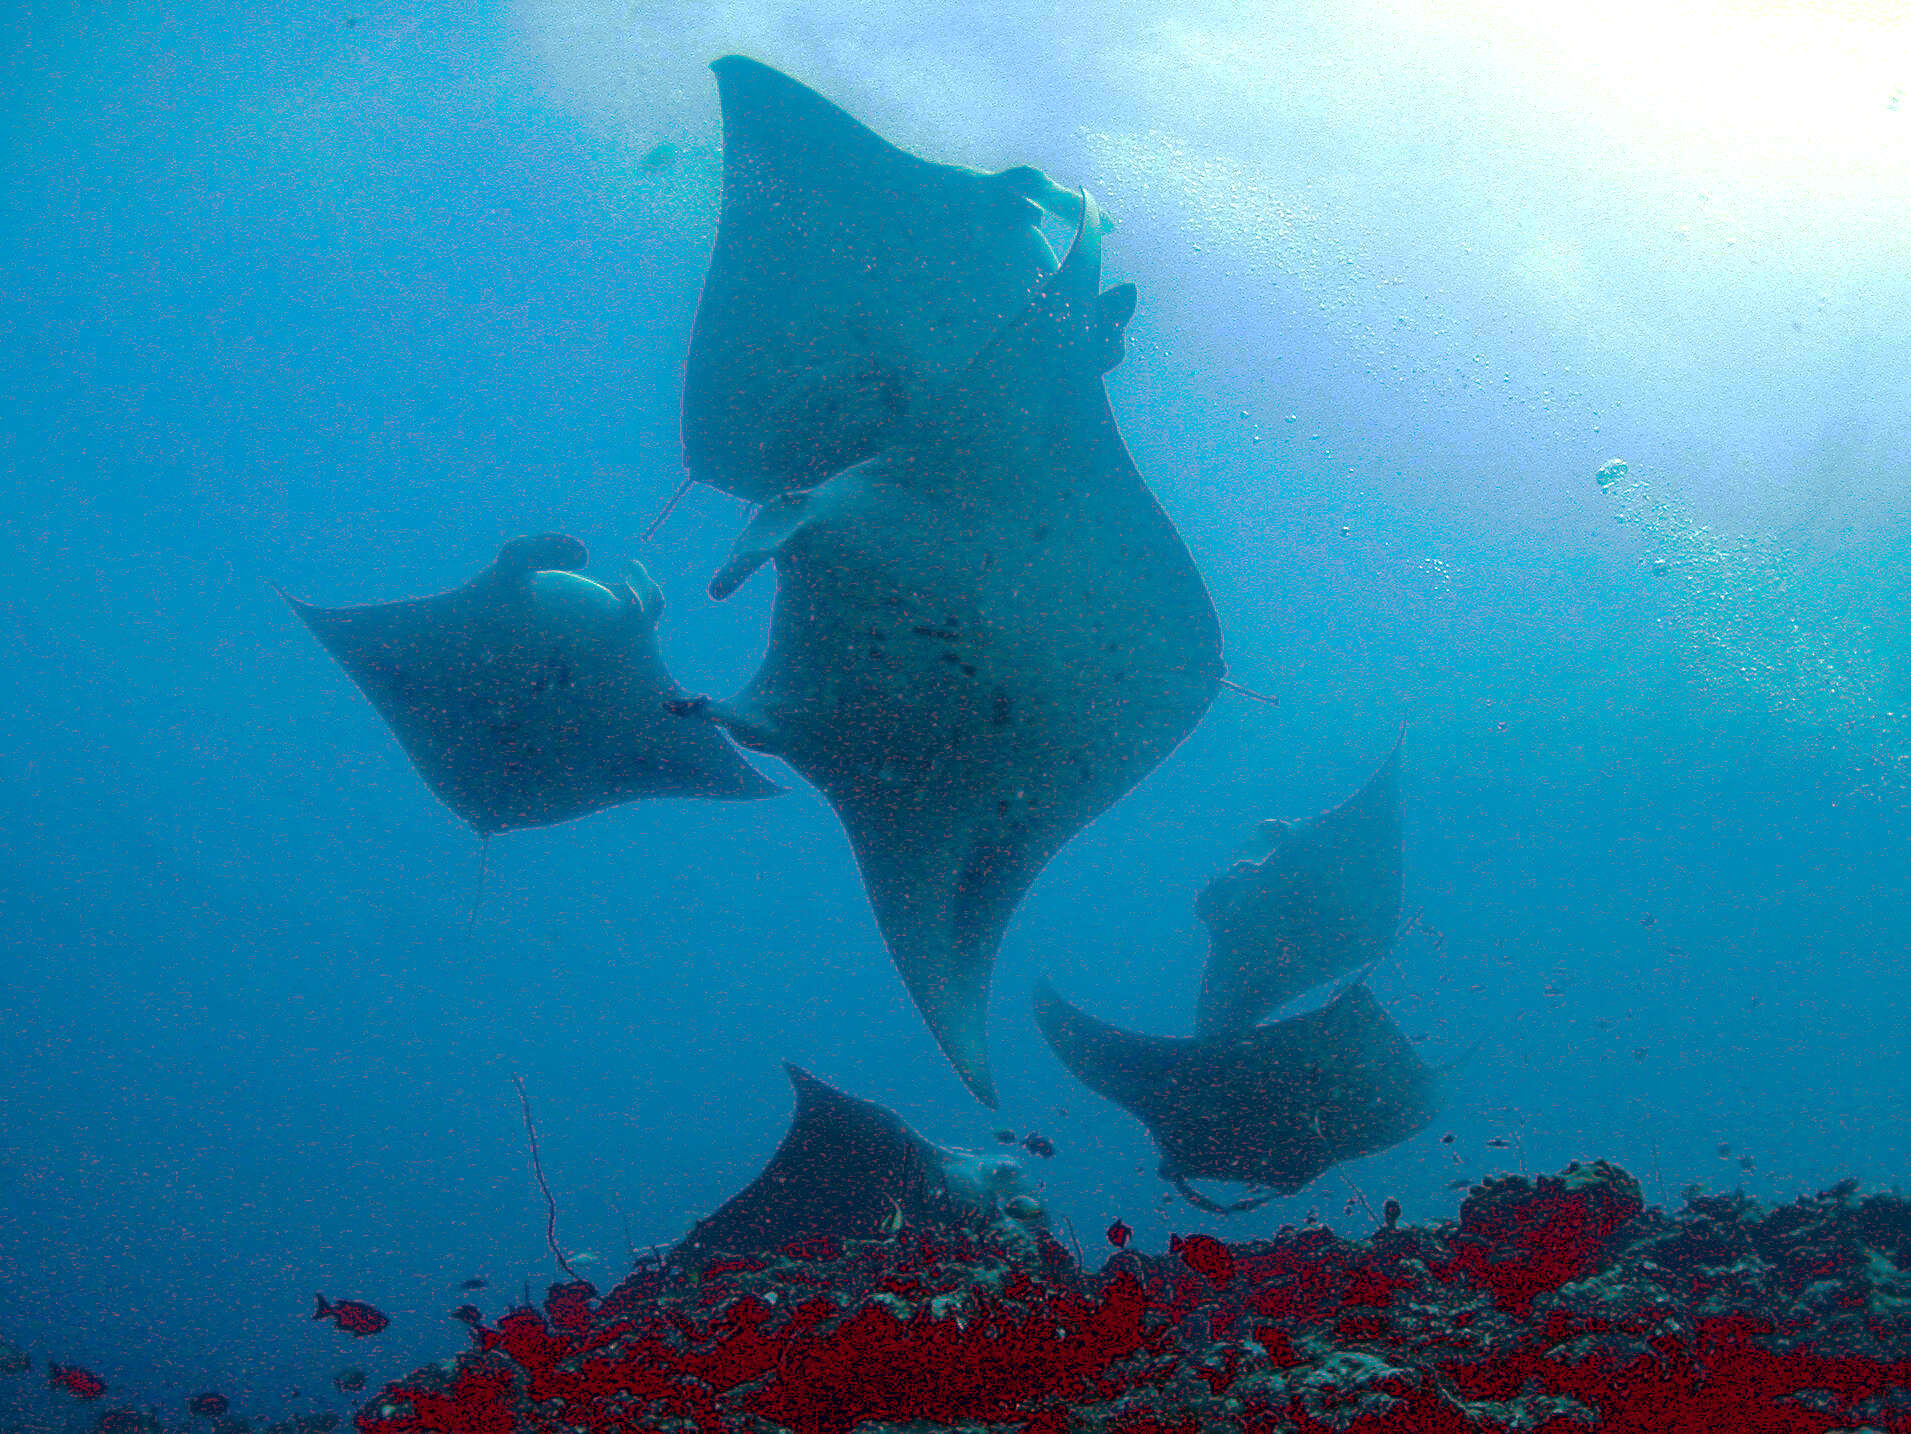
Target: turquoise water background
340,298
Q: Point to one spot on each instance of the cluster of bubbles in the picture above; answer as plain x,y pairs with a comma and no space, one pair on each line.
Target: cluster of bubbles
1744,609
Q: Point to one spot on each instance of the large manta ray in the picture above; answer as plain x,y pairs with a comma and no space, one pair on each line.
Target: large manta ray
532,695
849,281
846,1168
982,638
1303,903
1274,1106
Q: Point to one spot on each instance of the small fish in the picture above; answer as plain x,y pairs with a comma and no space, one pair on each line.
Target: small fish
1023,1207
1498,1142
80,1383
1039,1145
1746,1164
1006,1137
1648,920
658,158
1391,1212
349,1381
1119,1235
586,1257
476,1282
353,1316
1725,1151
208,1405
1638,1053
1461,1184
122,1421
468,1314
1447,1139
1205,1255
892,1222
14,1361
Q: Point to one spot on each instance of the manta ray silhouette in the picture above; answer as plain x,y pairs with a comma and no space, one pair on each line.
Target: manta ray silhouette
849,281
845,1167
532,695
1274,1106
1303,903
982,638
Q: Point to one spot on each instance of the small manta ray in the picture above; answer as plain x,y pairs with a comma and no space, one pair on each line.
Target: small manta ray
847,1169
1274,1106
532,695
352,1316
849,281
1303,903
78,1382
983,638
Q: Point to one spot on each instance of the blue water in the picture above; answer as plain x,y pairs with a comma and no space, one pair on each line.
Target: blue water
342,306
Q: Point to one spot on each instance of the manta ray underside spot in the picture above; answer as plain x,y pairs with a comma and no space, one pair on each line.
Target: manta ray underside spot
983,637
1274,1106
1304,902
532,694
850,280
849,1168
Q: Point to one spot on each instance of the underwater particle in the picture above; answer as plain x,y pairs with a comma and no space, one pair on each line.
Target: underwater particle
1005,1137
1611,472
14,1360
1345,530
207,1406
658,158
1119,1235
1293,418
1390,1212
1039,1145
353,1316
1638,1053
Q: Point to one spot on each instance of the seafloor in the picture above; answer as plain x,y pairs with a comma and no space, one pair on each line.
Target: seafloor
1553,1304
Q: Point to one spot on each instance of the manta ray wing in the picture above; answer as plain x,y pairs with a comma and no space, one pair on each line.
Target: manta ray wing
1308,901
1275,1106
850,280
843,1165
532,695
983,638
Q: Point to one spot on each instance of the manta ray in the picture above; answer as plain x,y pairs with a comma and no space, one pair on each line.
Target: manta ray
532,694
848,1168
850,280
1274,1106
982,638
1304,902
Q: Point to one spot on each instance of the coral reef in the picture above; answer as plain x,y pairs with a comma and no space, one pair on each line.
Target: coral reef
1553,1304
